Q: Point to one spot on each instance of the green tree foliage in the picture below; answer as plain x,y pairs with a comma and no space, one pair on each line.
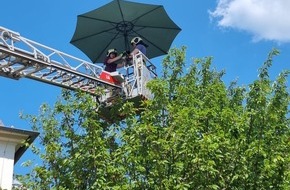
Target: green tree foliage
196,133
77,147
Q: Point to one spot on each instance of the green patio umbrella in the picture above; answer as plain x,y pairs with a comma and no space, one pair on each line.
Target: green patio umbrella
116,23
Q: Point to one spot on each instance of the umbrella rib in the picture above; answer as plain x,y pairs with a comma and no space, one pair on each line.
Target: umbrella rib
171,28
103,20
147,26
158,7
92,35
119,5
156,46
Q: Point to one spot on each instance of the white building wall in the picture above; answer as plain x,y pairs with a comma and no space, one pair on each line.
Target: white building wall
7,151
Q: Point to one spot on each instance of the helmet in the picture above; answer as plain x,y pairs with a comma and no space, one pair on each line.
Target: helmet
136,40
112,51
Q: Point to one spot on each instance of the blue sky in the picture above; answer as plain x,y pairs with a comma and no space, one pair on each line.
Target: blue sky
238,34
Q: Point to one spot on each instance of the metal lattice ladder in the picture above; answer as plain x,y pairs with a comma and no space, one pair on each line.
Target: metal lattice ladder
21,57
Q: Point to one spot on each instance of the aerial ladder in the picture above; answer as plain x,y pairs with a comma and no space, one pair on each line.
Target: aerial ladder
24,58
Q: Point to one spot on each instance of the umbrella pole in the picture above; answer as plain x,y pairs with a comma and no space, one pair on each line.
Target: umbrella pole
127,47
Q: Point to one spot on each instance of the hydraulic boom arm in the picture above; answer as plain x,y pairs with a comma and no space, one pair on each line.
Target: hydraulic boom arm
21,57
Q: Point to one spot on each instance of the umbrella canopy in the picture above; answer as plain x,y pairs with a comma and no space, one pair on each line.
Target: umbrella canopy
116,23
